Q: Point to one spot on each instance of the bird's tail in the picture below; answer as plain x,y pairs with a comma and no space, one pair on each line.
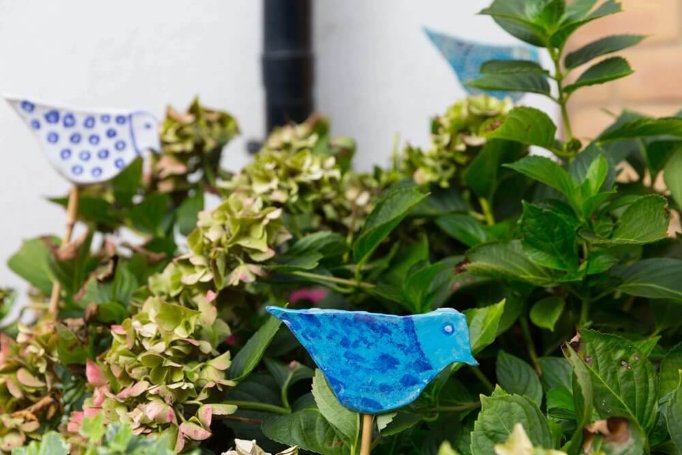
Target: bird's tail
276,311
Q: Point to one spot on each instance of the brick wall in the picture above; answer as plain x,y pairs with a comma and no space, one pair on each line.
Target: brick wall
656,86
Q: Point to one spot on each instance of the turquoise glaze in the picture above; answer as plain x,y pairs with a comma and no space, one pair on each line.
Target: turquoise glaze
375,363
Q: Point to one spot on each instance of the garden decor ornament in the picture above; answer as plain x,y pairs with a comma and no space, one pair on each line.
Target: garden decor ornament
376,363
86,147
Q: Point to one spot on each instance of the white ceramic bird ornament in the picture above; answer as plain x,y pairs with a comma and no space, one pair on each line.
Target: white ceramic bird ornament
88,147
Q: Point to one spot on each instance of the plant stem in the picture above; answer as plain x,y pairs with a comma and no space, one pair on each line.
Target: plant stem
562,99
483,379
532,353
487,212
255,406
333,279
584,311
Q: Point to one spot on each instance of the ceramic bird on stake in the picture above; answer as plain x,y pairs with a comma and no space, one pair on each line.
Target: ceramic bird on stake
466,57
376,363
86,147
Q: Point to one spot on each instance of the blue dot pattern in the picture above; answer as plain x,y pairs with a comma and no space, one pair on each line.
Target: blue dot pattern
52,116
95,136
69,120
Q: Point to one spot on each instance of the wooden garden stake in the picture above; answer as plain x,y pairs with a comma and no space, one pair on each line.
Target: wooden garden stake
71,216
366,446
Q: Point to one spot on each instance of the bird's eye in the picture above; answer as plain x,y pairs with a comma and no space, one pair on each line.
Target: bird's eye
448,329
148,125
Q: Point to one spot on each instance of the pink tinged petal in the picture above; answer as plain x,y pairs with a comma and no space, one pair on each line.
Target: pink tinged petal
313,295
118,329
210,296
13,388
94,374
91,412
134,390
205,415
194,431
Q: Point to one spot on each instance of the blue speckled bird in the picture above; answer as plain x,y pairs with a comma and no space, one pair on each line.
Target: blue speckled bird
466,58
88,147
375,363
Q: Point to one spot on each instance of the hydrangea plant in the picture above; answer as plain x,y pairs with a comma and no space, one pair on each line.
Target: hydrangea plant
567,271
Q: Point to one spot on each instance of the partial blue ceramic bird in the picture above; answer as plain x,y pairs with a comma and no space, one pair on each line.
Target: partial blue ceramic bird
88,146
466,57
375,363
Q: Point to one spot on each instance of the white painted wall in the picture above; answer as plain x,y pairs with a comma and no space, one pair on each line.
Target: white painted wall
376,75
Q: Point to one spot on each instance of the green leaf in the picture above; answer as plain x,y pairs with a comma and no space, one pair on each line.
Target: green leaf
485,173
286,375
512,66
51,444
641,128
345,421
655,278
607,70
463,228
599,48
499,413
71,349
623,379
307,429
573,22
126,184
556,373
673,416
581,386
506,260
388,213
669,375
93,428
645,221
426,288
188,211
151,216
546,171
483,324
517,377
528,126
546,312
521,19
672,174
548,239
248,357
309,251
73,270
512,82
32,263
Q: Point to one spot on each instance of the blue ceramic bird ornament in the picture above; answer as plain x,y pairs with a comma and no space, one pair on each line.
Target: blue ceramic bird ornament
466,57
375,363
88,147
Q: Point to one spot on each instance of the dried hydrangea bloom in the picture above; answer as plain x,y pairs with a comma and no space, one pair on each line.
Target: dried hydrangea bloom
29,386
456,136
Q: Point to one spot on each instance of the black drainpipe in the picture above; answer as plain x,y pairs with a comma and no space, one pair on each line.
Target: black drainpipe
287,61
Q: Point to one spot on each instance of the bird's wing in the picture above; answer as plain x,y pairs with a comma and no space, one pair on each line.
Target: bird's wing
84,147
